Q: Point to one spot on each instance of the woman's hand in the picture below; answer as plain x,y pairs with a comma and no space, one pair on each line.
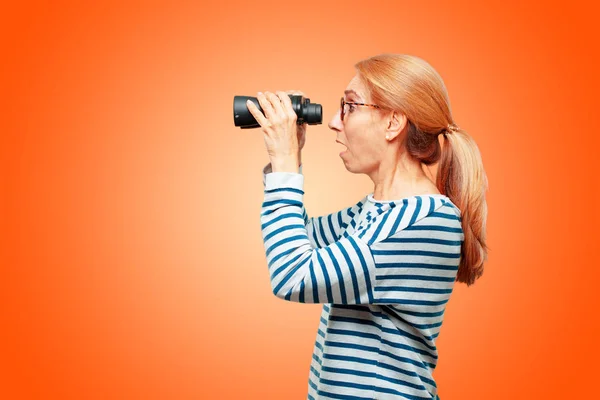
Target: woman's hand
301,129
278,125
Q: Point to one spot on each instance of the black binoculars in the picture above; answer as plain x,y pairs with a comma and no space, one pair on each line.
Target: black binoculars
312,114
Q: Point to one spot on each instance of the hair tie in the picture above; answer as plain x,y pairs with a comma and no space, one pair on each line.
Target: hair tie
452,127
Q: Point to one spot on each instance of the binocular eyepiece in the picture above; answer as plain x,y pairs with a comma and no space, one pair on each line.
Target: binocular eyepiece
312,114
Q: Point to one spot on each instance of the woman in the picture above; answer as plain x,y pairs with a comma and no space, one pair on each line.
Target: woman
384,268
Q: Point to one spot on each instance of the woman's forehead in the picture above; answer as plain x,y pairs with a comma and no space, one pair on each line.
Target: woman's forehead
356,88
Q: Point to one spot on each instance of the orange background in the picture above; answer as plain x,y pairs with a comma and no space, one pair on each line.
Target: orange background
132,259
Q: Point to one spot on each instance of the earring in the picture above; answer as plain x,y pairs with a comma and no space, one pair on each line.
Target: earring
387,137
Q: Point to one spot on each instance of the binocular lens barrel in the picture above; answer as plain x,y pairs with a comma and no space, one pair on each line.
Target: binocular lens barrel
312,114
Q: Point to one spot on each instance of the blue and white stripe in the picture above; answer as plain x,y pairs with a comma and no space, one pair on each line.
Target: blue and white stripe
384,285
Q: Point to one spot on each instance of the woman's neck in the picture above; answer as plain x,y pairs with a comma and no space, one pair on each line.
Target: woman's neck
401,177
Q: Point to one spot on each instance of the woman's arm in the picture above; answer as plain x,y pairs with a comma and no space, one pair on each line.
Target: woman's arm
326,229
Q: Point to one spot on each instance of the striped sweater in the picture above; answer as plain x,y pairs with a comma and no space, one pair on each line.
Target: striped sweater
384,280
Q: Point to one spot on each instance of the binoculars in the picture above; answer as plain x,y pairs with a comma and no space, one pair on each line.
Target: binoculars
312,114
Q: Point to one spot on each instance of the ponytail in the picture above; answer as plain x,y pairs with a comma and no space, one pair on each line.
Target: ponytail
461,177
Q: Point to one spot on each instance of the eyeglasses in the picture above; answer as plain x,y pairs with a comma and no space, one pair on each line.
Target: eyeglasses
343,106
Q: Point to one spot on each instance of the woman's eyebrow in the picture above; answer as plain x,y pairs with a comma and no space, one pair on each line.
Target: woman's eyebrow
347,92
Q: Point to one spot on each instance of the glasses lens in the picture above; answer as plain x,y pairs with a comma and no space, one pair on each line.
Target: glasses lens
342,108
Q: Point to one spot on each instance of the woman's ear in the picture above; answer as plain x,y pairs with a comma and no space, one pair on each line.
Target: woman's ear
396,124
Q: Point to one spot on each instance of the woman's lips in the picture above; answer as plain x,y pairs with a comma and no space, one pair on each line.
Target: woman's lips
342,145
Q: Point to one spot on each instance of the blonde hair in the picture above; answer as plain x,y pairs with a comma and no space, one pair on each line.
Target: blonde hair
410,85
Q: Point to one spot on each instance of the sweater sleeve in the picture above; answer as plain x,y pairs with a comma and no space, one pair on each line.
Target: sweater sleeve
327,229
341,272
352,270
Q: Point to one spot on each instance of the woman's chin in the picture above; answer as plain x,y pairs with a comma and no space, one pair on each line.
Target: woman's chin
344,156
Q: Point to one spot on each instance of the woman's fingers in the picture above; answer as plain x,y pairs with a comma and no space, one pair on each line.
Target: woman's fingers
278,108
265,103
287,104
258,116
285,99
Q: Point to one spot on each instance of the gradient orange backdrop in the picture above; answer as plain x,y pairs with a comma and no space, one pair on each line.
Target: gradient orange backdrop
132,258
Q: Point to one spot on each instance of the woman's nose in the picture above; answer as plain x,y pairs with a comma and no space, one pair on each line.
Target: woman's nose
336,122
